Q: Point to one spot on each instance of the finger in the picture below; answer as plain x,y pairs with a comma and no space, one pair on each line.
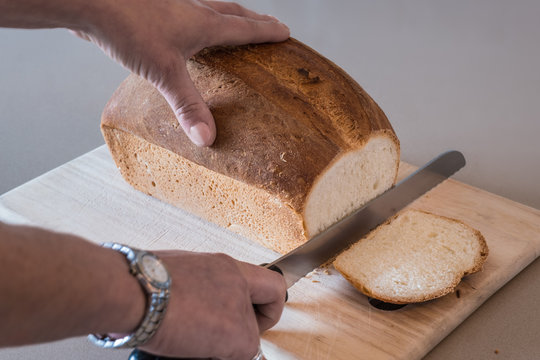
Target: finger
192,113
267,290
230,8
265,286
236,30
268,315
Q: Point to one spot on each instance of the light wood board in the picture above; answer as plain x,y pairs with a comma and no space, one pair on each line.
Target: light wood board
325,317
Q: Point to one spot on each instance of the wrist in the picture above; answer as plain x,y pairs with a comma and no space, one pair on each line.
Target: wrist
90,16
124,305
33,14
155,280
86,16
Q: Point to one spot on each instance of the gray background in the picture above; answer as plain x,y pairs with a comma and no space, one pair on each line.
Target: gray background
448,74
460,75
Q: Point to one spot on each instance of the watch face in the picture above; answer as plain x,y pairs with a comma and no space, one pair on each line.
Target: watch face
154,269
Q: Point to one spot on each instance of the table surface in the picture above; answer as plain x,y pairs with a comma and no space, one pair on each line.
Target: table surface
69,193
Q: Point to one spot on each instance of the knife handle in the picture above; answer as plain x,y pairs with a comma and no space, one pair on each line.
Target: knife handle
142,355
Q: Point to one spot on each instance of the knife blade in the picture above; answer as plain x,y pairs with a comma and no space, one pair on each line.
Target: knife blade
328,244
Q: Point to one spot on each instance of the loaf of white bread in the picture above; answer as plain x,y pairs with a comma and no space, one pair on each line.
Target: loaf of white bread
414,257
299,143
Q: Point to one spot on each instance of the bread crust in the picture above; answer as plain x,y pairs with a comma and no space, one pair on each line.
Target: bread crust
284,114
480,259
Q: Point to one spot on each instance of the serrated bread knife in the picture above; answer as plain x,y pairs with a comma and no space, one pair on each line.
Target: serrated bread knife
338,237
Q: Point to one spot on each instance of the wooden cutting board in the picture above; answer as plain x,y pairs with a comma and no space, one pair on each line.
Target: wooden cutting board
325,317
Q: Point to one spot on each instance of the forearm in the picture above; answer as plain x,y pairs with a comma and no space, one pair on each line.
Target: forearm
54,286
33,14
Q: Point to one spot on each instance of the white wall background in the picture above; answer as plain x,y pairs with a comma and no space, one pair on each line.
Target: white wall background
449,74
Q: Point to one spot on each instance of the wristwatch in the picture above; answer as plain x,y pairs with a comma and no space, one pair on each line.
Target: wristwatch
156,282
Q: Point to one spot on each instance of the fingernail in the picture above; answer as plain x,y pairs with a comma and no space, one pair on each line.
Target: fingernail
273,18
199,134
279,22
286,27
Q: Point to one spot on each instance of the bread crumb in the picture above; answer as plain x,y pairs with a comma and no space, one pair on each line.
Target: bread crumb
315,281
327,264
496,351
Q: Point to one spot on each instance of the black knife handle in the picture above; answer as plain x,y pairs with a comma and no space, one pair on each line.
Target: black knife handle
142,355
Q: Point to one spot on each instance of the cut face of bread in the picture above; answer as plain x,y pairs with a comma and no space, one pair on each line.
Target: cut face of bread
350,182
415,257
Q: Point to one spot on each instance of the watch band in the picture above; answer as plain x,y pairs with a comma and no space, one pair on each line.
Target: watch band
158,298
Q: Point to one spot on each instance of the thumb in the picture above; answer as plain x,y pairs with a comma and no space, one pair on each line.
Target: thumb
188,106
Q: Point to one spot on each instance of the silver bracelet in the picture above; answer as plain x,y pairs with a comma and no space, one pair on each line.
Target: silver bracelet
156,282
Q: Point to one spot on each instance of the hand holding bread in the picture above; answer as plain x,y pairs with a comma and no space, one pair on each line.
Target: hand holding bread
154,39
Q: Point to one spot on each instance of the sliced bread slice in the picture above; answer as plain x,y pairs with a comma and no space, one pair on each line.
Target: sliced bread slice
416,256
